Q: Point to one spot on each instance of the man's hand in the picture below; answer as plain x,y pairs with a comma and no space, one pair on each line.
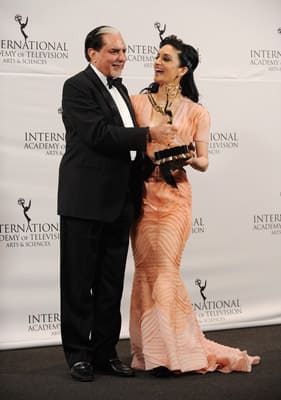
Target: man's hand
163,134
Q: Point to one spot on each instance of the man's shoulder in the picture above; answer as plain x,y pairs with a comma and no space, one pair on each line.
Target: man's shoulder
83,80
80,76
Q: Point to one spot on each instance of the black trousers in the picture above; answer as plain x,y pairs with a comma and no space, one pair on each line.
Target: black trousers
93,260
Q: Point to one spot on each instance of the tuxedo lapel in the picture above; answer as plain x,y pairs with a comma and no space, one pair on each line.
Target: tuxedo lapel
104,94
124,93
108,98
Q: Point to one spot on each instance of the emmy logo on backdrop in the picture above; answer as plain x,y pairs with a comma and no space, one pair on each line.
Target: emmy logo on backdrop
157,25
202,288
18,18
21,202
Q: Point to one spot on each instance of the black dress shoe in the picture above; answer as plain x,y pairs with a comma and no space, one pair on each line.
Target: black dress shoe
83,371
115,367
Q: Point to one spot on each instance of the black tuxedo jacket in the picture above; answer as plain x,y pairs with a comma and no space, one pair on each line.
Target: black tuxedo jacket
96,169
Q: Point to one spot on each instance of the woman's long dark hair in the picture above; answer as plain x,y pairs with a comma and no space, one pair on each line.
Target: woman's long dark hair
189,58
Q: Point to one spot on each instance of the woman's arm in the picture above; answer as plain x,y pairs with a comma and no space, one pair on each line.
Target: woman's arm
199,159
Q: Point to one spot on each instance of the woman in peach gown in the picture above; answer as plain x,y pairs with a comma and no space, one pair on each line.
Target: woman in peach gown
165,335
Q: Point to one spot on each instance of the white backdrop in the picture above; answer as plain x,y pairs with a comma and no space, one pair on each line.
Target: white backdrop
235,249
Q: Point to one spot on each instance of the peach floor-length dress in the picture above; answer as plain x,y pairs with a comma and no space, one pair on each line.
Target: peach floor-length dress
164,329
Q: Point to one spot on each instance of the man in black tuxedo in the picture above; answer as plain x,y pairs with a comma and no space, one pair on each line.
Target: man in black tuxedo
95,202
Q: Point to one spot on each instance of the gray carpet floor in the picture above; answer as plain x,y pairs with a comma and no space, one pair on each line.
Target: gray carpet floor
41,374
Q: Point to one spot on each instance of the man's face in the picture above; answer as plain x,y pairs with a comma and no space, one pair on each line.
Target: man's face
111,58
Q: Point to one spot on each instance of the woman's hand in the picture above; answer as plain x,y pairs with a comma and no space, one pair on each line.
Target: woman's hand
199,157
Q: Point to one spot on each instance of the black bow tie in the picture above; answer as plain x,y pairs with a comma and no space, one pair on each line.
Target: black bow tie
114,82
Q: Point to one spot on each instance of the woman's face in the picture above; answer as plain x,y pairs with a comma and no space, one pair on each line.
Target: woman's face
166,66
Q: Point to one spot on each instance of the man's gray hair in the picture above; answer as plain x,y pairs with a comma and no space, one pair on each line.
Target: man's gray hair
94,38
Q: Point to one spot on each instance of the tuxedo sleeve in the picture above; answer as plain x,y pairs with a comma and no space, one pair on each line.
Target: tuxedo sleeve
84,116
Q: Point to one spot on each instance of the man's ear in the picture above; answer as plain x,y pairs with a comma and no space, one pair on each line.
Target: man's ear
91,53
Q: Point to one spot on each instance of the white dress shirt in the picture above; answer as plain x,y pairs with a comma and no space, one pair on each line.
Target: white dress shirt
120,103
